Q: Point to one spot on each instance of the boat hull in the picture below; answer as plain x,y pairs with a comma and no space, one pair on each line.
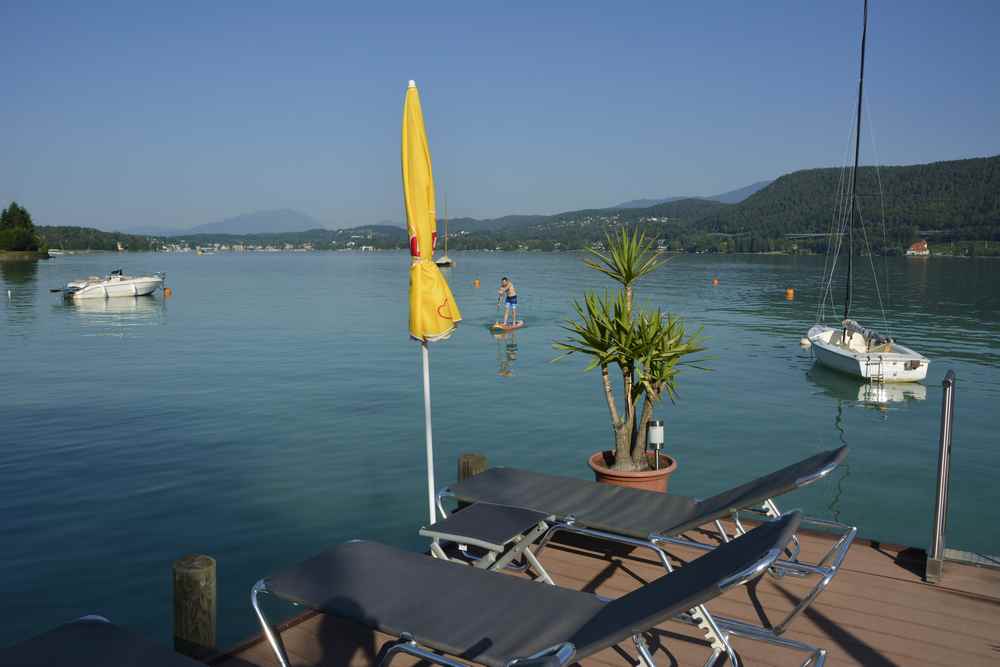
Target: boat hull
901,364
113,289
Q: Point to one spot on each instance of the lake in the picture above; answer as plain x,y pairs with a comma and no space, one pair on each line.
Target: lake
273,407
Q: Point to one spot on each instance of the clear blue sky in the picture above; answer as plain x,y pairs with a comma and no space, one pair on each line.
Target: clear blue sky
120,115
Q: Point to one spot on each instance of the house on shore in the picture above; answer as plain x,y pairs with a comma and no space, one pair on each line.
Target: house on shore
919,249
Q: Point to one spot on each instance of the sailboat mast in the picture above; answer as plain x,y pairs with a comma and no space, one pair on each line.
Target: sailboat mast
446,220
852,198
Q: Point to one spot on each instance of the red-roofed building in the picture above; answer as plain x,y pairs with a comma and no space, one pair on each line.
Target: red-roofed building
919,249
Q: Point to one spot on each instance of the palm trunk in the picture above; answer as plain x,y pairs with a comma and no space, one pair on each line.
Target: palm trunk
622,433
639,450
626,425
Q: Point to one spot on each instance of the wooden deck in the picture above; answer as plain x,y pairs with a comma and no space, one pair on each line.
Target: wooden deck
877,612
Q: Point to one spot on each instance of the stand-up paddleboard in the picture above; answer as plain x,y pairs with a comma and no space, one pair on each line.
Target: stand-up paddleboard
508,327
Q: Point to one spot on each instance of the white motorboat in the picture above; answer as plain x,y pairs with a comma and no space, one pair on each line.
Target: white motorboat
114,285
849,347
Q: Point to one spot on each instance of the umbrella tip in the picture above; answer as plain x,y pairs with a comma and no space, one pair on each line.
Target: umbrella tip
413,84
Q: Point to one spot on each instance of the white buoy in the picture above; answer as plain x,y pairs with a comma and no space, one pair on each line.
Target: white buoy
805,342
9,292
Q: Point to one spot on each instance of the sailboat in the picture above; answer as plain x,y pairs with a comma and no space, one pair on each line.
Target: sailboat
444,260
850,347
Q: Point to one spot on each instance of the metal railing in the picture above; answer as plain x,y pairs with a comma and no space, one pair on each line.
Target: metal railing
936,554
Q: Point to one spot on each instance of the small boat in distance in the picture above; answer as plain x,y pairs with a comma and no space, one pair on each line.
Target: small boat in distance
114,285
444,260
849,347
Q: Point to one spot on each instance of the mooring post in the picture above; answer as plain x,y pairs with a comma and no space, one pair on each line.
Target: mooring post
470,465
194,605
935,557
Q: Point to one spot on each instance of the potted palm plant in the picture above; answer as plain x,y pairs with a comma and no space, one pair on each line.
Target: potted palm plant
643,350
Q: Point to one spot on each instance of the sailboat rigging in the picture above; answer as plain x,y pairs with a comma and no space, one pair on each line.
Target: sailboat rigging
444,260
852,348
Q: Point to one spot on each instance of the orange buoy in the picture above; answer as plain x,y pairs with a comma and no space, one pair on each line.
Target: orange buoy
167,292
715,281
475,283
790,294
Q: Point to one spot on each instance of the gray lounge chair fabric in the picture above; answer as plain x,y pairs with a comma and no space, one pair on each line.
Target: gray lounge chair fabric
632,512
89,642
490,523
491,618
462,611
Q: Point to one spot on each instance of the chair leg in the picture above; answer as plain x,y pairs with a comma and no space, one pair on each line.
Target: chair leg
542,574
643,650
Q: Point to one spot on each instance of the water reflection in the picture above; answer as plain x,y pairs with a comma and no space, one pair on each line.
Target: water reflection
506,352
848,392
845,467
18,272
18,278
117,315
873,394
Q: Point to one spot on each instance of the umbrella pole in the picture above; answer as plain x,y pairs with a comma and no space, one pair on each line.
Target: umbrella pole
427,422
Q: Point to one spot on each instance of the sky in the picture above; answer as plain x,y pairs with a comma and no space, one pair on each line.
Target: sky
124,115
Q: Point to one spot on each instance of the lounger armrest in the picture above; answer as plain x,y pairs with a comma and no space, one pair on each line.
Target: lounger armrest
752,572
832,559
554,656
826,568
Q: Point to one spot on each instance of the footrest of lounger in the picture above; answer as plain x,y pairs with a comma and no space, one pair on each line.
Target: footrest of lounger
486,525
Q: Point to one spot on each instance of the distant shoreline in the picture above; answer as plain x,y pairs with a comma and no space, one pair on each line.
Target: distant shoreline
31,255
22,255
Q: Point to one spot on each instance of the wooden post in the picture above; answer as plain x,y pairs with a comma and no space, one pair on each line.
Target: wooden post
194,605
470,465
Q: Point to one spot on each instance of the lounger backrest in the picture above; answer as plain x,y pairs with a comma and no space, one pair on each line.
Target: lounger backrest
708,576
605,507
795,476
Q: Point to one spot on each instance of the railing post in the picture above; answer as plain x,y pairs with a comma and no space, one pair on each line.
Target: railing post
935,557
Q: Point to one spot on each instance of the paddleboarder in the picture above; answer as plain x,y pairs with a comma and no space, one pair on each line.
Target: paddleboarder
507,295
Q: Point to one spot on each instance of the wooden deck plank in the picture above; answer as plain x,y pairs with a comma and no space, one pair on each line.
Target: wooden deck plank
931,640
877,611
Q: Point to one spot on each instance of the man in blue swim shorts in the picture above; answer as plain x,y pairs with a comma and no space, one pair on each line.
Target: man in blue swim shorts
507,295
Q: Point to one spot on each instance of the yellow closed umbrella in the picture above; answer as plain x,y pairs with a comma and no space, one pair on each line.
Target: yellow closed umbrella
433,311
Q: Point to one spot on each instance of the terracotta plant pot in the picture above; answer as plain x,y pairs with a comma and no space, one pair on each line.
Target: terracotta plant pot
647,480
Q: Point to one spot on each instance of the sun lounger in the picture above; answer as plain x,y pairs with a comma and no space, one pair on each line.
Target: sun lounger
91,640
653,520
446,613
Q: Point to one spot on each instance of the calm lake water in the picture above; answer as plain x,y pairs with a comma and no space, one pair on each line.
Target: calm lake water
273,407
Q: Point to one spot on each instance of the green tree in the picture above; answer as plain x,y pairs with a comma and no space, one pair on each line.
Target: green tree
647,347
17,231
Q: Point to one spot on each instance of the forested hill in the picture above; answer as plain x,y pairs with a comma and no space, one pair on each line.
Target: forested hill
954,200
85,238
944,202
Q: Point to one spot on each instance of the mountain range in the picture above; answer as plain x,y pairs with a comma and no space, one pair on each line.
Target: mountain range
275,221
731,197
287,221
949,201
